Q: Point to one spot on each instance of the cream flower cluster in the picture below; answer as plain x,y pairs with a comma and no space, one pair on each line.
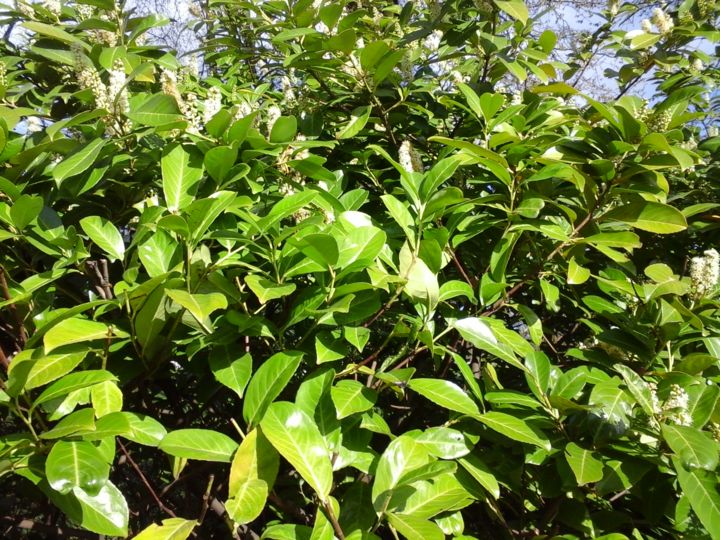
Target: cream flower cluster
662,21
188,106
212,104
613,7
435,8
89,79
675,408
273,113
117,91
432,42
84,11
409,158
195,10
24,8
53,6
705,272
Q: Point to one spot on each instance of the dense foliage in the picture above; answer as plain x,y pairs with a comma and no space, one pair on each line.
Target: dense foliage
377,271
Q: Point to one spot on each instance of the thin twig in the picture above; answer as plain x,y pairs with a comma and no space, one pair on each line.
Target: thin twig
22,335
145,481
206,498
48,531
4,359
333,519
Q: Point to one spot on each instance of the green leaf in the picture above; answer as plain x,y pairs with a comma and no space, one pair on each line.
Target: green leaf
105,235
144,429
76,330
202,444
157,252
283,129
248,501
181,174
51,367
199,305
585,467
482,473
361,244
73,381
454,288
78,162
219,160
538,373
479,333
234,374
695,448
577,274
76,464
639,389
320,247
402,455
351,397
156,111
106,398
422,283
329,347
284,208
255,459
515,8
400,214
268,382
267,290
297,438
54,32
701,489
446,394
644,40
357,336
171,529
415,528
431,497
443,442
358,119
252,475
74,423
649,216
25,210
514,428
105,512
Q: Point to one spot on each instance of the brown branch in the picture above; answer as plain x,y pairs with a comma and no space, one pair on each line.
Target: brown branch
4,359
22,335
333,519
48,531
534,274
471,281
145,481
206,498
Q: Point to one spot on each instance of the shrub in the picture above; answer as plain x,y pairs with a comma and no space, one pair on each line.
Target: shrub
379,270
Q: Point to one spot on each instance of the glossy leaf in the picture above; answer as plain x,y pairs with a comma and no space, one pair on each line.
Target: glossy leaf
296,437
267,383
201,444
76,464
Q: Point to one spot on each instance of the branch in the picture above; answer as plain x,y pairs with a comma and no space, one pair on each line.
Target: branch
22,335
333,519
48,531
145,481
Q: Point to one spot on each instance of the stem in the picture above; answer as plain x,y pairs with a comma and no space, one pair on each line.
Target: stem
22,335
145,481
333,519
